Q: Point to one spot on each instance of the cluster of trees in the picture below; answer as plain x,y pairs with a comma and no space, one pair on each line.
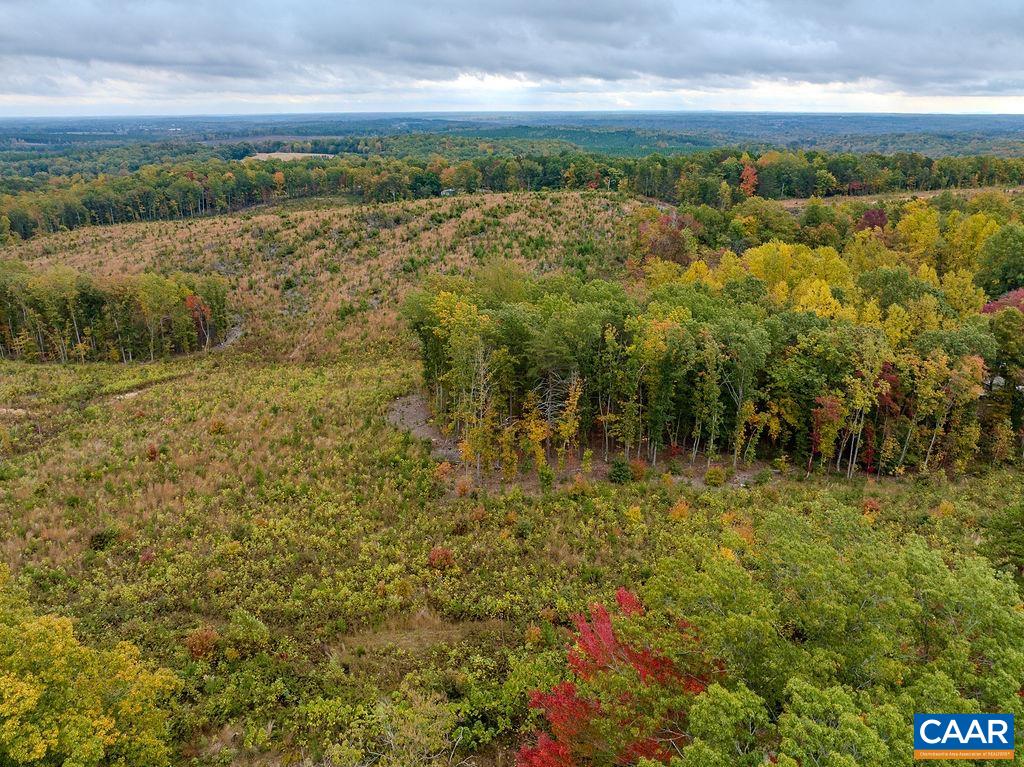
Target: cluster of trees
719,178
981,235
865,360
59,314
775,643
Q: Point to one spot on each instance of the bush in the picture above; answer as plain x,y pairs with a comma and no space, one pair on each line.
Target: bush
441,558
201,642
638,469
546,477
619,471
715,476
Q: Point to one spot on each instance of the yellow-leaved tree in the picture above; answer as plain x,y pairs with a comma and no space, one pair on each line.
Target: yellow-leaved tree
62,703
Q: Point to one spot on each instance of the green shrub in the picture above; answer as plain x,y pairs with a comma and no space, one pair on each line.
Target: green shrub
619,471
546,477
715,476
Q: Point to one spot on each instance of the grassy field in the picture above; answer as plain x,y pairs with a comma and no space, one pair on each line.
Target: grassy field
796,205
250,518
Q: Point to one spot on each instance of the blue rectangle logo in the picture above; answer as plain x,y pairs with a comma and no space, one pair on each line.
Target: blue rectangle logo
963,736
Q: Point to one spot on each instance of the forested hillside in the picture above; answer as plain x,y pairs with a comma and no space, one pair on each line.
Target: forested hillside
73,191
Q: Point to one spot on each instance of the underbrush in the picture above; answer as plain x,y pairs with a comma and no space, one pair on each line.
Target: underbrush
263,532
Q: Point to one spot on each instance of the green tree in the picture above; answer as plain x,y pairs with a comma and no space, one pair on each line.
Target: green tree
1002,261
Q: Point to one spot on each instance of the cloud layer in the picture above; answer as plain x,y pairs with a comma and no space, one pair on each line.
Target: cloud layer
116,55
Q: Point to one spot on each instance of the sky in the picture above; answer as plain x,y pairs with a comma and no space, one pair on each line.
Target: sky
110,57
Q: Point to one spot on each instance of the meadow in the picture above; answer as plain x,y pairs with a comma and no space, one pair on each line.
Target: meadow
325,591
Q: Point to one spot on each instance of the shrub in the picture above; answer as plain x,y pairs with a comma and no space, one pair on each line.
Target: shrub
464,486
619,471
680,509
103,539
638,469
871,506
546,477
715,476
587,462
441,558
201,642
246,633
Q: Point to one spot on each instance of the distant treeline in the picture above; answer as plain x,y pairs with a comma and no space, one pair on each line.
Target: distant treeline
719,178
25,168
61,315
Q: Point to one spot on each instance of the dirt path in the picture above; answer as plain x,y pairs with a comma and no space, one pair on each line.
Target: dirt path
233,334
412,414
142,386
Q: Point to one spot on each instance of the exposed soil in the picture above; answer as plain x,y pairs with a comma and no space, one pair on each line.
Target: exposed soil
231,336
143,385
411,413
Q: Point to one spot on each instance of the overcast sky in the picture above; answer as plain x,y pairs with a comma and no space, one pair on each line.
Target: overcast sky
205,56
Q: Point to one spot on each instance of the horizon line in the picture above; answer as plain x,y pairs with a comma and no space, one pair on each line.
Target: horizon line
517,111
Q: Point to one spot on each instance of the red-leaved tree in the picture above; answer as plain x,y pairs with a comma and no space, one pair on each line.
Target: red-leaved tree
201,315
748,180
1012,300
629,693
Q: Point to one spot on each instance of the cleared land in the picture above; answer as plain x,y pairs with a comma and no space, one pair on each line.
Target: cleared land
264,484
287,155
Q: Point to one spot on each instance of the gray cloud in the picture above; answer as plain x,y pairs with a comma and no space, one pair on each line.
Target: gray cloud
399,50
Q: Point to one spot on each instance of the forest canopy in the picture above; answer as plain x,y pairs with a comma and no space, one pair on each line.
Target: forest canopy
717,177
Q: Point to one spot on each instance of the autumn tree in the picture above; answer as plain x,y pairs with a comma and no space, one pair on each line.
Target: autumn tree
1002,261
64,703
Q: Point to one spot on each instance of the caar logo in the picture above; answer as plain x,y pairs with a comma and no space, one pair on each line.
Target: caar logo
963,736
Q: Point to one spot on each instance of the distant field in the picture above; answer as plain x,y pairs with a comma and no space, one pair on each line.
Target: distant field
286,155
796,204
